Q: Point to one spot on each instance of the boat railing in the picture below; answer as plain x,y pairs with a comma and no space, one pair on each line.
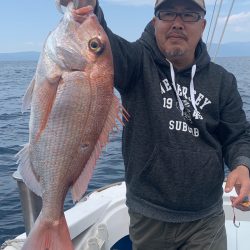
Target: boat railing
30,202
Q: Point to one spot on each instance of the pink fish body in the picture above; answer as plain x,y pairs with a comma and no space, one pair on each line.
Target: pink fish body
73,109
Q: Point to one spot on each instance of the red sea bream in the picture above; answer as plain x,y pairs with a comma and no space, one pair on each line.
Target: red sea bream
73,109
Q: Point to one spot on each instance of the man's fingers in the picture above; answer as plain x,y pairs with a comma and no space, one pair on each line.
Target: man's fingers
243,193
78,3
79,15
83,10
243,206
231,181
63,2
237,200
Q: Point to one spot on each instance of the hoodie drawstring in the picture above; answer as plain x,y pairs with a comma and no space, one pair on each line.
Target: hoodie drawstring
192,91
175,89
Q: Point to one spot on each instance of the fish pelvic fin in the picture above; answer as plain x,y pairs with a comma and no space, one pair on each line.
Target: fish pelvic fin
26,170
49,235
81,184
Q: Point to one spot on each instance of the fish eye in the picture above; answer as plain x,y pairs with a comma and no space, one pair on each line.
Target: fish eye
96,45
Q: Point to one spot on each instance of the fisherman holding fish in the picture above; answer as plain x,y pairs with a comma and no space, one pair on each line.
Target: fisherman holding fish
186,120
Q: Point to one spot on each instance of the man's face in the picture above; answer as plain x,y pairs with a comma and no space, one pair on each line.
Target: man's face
178,39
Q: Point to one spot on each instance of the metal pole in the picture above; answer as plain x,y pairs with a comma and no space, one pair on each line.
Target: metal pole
30,202
215,25
224,29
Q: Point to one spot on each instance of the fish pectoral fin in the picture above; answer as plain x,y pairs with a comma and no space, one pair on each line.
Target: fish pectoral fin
28,96
81,184
45,94
26,170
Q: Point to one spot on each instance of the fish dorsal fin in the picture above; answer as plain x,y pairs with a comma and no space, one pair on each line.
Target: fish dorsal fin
26,171
81,184
28,96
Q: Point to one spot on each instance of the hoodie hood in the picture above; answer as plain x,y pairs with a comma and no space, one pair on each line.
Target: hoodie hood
202,58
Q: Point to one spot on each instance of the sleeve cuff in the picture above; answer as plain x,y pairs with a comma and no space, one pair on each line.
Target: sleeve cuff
241,160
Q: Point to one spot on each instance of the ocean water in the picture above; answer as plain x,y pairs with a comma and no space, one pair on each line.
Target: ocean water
14,79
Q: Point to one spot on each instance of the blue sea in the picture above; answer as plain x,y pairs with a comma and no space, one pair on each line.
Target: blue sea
14,79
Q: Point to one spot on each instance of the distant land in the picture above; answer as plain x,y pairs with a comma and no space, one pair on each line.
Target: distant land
20,56
235,49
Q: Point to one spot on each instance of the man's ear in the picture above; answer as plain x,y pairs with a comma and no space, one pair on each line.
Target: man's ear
204,24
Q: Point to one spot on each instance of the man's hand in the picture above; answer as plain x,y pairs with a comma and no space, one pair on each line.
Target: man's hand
80,3
81,7
238,178
64,2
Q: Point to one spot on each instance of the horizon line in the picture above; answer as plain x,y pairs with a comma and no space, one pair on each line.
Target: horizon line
37,51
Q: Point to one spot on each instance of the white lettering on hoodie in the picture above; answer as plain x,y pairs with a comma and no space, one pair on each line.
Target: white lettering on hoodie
186,100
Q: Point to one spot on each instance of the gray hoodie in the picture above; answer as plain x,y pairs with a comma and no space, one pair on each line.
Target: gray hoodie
183,126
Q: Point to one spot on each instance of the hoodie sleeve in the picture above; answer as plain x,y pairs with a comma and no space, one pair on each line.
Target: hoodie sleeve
234,129
126,56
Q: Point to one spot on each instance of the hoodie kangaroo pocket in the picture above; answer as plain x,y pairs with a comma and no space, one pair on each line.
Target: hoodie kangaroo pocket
181,179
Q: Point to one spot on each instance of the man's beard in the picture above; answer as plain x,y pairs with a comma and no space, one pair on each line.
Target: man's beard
174,53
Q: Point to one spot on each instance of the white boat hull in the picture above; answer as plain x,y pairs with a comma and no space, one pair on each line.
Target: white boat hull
101,219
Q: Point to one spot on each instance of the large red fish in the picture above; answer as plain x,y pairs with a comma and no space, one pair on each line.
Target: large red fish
73,109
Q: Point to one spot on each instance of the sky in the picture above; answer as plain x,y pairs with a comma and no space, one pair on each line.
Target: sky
25,24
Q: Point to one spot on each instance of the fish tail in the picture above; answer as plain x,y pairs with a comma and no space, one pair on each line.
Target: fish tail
49,235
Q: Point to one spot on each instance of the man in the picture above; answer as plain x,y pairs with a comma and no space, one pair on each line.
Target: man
186,120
